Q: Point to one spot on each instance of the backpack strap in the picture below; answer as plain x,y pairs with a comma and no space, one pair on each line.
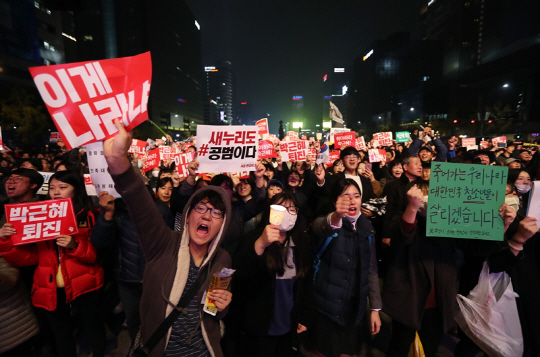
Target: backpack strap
317,262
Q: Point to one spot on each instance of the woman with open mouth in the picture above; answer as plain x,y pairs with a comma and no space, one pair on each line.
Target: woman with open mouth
347,275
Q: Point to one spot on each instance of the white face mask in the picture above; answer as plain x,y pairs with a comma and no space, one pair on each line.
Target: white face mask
512,202
288,222
422,211
155,173
522,189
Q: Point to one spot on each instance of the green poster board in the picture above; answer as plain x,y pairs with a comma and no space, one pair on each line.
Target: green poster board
403,136
464,201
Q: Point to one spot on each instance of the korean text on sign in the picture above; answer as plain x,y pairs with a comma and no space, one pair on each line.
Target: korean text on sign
38,221
152,160
263,127
98,168
347,139
266,149
377,155
403,136
138,147
464,201
227,148
294,150
360,144
84,98
384,138
182,161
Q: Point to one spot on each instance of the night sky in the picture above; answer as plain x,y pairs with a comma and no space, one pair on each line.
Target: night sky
283,47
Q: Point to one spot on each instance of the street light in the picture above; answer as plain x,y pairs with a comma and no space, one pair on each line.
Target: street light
506,85
412,109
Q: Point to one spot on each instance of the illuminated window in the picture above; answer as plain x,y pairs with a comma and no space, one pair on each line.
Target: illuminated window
88,38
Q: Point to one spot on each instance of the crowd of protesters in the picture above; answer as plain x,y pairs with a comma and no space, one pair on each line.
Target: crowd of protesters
157,248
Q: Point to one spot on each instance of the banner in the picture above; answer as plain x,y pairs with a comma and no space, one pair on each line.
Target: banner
266,149
403,136
44,189
360,144
377,155
484,144
227,148
464,201
262,124
97,166
138,147
499,139
84,98
347,139
382,139
294,150
152,160
55,137
39,221
468,142
181,162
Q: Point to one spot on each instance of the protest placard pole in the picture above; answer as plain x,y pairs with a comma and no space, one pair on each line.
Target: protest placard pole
157,126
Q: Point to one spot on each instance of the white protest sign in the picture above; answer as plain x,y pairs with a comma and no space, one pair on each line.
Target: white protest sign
294,150
89,185
384,138
227,148
98,169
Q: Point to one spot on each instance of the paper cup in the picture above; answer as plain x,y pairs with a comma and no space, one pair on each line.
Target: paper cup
276,214
319,136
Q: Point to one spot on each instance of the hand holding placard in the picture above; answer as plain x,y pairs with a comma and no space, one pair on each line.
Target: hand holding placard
527,228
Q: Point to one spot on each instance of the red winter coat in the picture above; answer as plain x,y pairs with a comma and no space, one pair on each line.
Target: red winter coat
80,270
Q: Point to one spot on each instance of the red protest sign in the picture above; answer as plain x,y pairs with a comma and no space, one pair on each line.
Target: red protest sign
182,161
263,126
84,98
241,175
384,138
55,137
499,139
333,156
152,160
293,150
360,144
138,146
304,137
347,139
44,220
377,155
266,149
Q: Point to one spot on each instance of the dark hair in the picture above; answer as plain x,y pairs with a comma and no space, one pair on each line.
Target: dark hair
289,174
251,182
513,175
34,162
65,163
163,181
34,176
340,186
165,170
349,150
276,253
80,198
219,179
269,167
213,198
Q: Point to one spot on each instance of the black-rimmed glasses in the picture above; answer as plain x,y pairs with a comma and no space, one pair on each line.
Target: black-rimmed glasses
202,208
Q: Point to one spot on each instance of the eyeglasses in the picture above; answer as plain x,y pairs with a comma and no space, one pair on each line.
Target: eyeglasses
16,179
351,157
292,210
202,208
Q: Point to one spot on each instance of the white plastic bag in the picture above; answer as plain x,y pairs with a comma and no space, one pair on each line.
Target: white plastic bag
489,316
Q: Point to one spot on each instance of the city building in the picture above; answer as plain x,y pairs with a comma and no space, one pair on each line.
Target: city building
336,89
396,81
218,99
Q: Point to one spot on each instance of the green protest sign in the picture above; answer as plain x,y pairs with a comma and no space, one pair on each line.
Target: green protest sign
403,136
464,201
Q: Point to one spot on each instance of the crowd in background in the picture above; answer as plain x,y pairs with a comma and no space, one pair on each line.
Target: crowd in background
365,224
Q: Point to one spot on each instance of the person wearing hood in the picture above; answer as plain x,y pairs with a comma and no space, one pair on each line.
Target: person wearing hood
175,259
